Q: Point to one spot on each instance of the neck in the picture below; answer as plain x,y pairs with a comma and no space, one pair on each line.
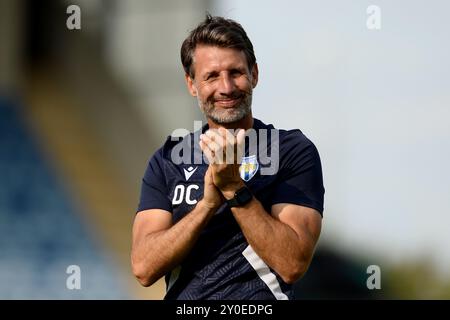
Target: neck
245,123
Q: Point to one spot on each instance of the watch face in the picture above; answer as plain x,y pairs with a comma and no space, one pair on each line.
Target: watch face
243,196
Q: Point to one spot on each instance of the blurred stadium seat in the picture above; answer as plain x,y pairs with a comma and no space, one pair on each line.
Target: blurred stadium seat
41,233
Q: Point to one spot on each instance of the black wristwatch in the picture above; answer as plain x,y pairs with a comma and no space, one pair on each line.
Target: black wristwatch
241,197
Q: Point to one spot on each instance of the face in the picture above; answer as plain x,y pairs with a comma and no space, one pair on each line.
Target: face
223,84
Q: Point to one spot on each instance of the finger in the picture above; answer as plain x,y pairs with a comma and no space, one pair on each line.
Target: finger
216,136
240,142
240,137
207,152
211,142
216,148
230,140
228,148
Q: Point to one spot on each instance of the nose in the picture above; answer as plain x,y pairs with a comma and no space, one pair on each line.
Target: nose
226,85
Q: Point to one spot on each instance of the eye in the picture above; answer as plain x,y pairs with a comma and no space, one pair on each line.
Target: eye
236,72
211,76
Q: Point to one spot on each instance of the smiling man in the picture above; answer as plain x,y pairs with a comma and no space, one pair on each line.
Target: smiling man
223,229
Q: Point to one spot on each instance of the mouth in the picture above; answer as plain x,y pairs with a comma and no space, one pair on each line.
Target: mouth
227,103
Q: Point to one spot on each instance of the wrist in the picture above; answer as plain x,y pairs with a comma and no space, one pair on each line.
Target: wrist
230,191
208,206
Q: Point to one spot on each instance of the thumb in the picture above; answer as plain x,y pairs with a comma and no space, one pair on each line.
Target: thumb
209,176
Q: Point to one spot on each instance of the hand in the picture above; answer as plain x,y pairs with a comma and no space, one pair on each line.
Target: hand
212,198
224,152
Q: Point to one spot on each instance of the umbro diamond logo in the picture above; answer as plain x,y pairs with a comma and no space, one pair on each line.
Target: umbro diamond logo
189,172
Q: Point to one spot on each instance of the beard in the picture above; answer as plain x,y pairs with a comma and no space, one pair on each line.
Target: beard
227,115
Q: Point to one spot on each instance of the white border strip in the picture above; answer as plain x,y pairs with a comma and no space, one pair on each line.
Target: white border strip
264,273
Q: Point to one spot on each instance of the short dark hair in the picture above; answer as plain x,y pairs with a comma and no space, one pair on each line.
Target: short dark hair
219,32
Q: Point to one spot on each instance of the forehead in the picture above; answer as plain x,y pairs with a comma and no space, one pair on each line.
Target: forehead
208,58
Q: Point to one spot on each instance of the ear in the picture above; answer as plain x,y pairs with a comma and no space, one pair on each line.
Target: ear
190,85
255,73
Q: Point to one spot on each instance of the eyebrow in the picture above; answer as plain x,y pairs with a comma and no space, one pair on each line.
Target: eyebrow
212,72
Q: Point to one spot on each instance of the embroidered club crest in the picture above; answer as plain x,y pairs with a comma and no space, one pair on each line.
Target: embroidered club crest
249,167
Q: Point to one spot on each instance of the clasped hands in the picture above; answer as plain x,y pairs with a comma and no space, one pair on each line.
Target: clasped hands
224,151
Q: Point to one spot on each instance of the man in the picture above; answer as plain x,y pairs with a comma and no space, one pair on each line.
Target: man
223,229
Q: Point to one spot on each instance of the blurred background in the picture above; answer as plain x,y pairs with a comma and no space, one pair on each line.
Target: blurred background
81,112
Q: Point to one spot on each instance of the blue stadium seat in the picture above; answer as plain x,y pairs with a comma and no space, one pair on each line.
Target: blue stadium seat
41,234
